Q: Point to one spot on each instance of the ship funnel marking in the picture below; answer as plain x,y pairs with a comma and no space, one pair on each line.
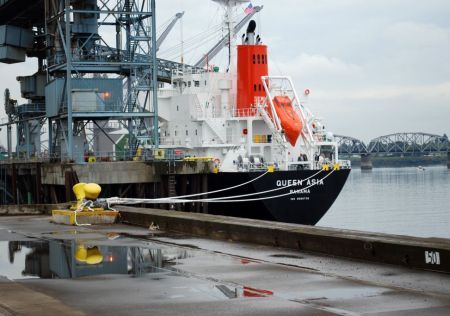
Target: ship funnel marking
252,64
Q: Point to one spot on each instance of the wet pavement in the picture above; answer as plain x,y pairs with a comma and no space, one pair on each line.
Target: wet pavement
53,269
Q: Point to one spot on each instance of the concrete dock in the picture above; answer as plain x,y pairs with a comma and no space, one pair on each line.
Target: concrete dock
413,252
150,270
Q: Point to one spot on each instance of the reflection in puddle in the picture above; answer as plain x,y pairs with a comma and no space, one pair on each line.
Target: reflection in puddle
65,259
253,292
72,259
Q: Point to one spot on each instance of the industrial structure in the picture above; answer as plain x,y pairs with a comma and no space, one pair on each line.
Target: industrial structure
97,73
83,82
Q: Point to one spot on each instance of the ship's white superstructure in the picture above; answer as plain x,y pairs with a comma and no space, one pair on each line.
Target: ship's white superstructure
200,115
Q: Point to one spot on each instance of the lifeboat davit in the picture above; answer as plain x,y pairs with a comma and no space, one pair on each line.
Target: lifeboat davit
290,122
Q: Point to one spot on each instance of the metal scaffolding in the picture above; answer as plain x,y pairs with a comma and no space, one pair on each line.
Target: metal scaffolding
92,82
97,74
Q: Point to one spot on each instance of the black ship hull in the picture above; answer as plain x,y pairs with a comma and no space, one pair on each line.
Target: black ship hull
298,200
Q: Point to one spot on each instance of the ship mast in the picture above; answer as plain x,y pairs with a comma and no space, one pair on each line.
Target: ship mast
230,22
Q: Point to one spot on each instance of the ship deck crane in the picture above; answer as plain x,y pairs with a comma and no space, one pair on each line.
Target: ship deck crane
169,28
224,41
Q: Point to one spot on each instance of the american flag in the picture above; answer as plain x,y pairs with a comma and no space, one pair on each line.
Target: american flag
249,9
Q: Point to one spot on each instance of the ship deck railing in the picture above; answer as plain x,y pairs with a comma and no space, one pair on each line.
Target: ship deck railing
107,156
299,165
306,165
166,92
187,70
227,114
345,164
245,112
260,166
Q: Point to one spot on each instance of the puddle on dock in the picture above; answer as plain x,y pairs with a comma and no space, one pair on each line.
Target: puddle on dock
66,259
71,259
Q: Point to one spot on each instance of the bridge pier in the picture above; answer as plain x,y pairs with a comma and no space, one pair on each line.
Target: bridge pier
448,158
366,162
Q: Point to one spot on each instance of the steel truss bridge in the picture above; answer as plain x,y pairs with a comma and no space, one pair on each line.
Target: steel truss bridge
397,144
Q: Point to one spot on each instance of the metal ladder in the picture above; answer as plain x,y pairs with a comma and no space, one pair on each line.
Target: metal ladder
278,136
171,182
171,185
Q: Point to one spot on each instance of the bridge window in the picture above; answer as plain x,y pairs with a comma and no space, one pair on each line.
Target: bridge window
254,59
187,133
254,87
196,83
189,83
259,58
178,108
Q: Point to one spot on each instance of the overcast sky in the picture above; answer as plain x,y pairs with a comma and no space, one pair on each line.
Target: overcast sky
374,67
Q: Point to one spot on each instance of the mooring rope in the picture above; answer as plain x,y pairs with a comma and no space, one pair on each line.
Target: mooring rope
259,193
84,204
216,191
117,200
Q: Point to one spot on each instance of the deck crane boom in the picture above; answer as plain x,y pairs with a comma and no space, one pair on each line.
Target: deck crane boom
224,40
169,28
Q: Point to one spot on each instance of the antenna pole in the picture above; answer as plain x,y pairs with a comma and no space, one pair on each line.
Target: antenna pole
231,44
182,42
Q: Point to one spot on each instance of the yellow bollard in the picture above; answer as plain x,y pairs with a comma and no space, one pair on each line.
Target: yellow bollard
89,255
92,191
94,256
78,190
325,167
270,168
81,253
336,166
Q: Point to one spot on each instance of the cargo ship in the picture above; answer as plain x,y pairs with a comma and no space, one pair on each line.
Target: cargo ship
273,159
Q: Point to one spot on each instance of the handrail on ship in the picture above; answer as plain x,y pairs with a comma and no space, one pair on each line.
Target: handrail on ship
252,111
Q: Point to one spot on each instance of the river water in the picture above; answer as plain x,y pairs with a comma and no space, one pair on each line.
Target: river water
402,201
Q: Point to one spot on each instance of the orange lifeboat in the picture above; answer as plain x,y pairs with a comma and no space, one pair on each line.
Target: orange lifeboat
290,122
